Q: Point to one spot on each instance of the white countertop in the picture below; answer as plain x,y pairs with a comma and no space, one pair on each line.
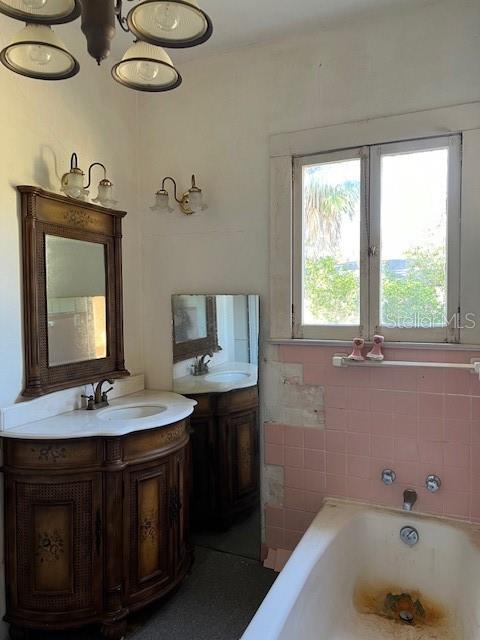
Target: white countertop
202,384
84,424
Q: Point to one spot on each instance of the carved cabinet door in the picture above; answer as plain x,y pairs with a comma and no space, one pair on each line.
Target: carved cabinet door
243,453
54,562
147,529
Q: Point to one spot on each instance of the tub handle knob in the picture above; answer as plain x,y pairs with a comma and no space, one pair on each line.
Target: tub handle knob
388,476
433,483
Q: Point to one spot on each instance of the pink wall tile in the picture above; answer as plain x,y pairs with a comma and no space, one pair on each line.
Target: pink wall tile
431,405
415,421
274,516
274,454
358,466
274,433
294,478
293,457
294,498
458,430
459,407
431,429
336,397
314,460
336,486
293,436
314,480
314,438
382,447
358,444
336,463
335,441
314,374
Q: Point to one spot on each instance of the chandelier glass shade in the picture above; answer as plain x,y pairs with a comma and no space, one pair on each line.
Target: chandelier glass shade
41,11
171,24
146,68
37,52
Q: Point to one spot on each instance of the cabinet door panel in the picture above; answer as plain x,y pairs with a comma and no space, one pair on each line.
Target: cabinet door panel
59,521
244,442
149,545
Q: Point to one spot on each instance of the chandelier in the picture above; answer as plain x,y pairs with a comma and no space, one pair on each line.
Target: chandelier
37,51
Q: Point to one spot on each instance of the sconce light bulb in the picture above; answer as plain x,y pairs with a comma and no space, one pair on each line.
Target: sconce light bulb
39,54
35,4
147,71
166,16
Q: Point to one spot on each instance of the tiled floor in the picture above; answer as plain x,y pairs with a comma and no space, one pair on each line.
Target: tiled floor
216,602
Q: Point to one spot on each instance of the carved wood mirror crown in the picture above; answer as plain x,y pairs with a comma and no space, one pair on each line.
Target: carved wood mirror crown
72,292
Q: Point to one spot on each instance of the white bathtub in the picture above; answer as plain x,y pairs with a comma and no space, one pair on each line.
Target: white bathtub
352,552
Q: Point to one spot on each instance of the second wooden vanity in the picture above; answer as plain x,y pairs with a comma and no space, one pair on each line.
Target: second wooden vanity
95,526
225,465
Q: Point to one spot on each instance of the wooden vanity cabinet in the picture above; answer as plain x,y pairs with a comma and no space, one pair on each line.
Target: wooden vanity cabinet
95,527
225,457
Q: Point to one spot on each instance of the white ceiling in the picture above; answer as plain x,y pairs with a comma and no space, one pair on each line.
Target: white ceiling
239,23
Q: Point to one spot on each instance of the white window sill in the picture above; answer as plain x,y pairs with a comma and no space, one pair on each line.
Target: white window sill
444,346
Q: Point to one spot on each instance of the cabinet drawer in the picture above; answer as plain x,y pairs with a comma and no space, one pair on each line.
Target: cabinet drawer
238,400
150,443
52,454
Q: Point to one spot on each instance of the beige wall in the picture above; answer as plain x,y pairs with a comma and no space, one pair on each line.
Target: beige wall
219,122
41,124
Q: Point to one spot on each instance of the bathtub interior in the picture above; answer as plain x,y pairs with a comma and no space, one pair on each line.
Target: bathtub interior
367,554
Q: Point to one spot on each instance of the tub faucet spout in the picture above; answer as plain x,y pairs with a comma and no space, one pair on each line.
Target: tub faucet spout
409,499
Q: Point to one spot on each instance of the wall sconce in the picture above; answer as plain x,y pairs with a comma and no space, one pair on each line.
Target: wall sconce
190,202
72,184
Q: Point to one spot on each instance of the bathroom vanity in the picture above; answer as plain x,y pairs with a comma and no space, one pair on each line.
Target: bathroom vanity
96,513
215,346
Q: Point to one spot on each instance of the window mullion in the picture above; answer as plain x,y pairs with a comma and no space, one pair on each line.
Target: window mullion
374,249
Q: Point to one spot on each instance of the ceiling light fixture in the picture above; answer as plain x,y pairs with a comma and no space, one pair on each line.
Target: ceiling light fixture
37,52
190,202
72,184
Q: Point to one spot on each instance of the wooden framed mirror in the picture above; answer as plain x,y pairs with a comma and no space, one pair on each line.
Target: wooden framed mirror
72,292
194,326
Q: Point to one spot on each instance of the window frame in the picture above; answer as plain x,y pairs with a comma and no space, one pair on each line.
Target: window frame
370,214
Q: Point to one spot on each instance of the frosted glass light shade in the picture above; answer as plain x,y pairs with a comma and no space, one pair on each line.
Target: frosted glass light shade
170,23
105,194
37,52
41,11
162,204
72,184
195,200
145,67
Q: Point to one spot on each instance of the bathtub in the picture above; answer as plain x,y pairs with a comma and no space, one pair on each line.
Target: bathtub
346,578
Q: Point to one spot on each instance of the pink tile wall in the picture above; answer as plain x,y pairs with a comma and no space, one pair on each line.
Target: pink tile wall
416,421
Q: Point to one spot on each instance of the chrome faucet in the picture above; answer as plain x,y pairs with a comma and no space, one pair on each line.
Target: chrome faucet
200,366
409,499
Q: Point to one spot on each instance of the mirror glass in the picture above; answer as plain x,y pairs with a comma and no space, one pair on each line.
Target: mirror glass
76,300
189,318
215,346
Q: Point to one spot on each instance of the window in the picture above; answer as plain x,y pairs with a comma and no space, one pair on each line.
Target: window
376,242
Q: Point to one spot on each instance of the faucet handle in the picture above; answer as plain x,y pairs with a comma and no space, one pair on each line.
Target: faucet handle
433,483
388,476
90,402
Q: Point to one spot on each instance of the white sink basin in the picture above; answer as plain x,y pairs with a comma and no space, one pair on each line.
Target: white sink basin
227,376
132,412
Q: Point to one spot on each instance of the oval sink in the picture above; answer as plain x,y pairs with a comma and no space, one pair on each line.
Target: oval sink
132,412
227,376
